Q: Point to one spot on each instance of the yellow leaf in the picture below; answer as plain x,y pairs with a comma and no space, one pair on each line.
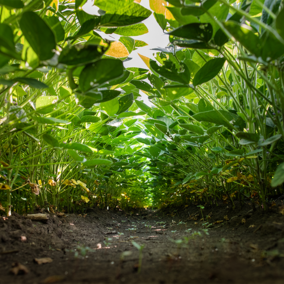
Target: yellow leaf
39,182
4,186
51,182
83,185
84,198
158,6
117,49
232,179
250,178
74,181
145,59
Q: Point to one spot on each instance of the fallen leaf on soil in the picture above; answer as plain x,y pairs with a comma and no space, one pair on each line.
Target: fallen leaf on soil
43,260
18,268
195,223
218,222
243,221
251,226
53,279
226,218
254,246
38,217
281,210
60,214
2,208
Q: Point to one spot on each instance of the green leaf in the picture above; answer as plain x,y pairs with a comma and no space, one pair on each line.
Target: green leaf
6,37
76,156
12,4
86,27
142,85
245,35
143,140
77,146
50,140
280,23
208,71
111,107
198,10
247,138
39,35
144,107
140,43
193,128
81,54
194,44
31,82
90,98
182,77
194,31
125,103
161,127
50,120
44,101
161,20
89,118
130,114
97,162
270,140
220,37
100,72
56,27
213,129
278,178
133,30
216,117
121,13
128,42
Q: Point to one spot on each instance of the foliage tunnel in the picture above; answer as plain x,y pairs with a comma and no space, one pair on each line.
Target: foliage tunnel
75,131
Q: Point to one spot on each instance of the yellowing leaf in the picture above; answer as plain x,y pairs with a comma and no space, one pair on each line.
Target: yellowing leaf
83,185
51,182
84,198
250,178
232,179
4,186
158,6
74,181
117,50
145,59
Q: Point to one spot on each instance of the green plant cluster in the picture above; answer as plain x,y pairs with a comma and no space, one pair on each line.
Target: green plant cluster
75,131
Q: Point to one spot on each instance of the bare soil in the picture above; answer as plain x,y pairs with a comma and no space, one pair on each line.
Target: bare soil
247,247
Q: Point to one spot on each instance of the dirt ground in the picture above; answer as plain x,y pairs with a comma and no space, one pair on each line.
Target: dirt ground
246,247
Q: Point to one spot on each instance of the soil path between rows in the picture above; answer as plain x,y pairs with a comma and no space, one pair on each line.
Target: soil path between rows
93,248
